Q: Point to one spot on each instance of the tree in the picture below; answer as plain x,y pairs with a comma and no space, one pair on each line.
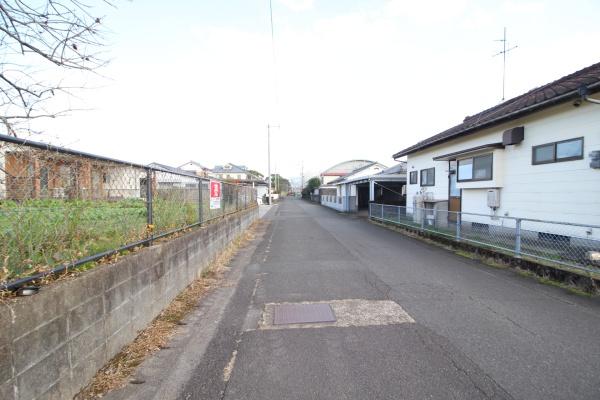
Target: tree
256,173
280,184
39,40
312,184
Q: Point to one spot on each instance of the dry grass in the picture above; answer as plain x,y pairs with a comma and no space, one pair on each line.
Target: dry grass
157,335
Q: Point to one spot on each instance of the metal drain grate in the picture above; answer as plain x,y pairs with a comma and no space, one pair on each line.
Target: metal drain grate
302,314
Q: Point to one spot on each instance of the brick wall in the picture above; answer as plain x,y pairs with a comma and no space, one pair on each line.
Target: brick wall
52,343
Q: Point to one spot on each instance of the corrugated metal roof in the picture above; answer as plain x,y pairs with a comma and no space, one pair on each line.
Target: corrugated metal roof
168,168
346,167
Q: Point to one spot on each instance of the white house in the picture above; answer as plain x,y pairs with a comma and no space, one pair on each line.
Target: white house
195,167
233,172
535,156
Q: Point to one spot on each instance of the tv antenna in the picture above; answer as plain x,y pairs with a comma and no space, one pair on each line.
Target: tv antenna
503,52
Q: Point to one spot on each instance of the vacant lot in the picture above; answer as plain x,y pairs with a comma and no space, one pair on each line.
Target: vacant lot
38,234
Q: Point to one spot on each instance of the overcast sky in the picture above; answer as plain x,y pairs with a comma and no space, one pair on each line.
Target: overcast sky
195,80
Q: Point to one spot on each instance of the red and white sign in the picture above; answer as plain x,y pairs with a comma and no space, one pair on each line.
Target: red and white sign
215,195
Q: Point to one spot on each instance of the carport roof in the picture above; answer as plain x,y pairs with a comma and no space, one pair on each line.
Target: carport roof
377,178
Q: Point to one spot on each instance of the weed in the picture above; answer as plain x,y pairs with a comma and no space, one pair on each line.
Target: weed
39,234
466,254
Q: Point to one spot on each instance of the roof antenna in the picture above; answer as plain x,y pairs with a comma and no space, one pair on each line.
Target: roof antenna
503,52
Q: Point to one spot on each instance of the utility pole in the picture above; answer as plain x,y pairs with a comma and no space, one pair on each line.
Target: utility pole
302,175
503,52
269,161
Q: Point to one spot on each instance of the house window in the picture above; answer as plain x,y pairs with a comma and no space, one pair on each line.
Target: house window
476,168
413,177
565,150
428,177
544,154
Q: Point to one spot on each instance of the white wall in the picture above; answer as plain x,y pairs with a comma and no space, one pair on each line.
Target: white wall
565,191
326,179
424,160
260,192
334,202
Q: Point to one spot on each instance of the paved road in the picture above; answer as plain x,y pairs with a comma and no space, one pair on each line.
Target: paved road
478,332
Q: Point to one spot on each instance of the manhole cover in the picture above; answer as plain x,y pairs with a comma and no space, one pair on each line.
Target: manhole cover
302,314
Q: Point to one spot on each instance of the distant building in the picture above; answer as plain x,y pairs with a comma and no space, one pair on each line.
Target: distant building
233,172
196,168
343,169
35,174
369,181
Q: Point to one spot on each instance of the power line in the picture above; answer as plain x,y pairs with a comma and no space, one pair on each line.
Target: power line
273,54
387,188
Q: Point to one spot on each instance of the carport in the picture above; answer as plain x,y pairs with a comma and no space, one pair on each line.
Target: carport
385,188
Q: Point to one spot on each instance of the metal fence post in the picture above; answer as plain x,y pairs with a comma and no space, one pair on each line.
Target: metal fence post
458,225
422,213
518,237
200,201
149,208
381,205
398,214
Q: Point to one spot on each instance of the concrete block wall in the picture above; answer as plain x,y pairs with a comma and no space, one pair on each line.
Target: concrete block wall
52,343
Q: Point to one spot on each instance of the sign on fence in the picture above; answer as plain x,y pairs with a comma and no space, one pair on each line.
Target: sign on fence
215,195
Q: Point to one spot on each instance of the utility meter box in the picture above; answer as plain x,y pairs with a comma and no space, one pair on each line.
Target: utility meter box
493,198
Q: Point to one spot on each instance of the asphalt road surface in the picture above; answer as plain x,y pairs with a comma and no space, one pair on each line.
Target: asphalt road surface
468,331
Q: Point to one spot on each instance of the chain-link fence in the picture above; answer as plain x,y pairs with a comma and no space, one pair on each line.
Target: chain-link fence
60,207
564,244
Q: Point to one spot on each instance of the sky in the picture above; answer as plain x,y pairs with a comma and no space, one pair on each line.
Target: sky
343,79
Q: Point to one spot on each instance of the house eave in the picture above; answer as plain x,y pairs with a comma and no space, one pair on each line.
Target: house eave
453,156
564,98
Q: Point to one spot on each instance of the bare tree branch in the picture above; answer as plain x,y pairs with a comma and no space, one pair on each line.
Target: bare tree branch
61,33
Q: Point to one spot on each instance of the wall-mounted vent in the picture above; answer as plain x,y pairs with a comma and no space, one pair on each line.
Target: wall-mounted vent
595,159
513,136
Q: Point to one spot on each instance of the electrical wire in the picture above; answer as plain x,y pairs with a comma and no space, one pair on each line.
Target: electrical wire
387,188
274,56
